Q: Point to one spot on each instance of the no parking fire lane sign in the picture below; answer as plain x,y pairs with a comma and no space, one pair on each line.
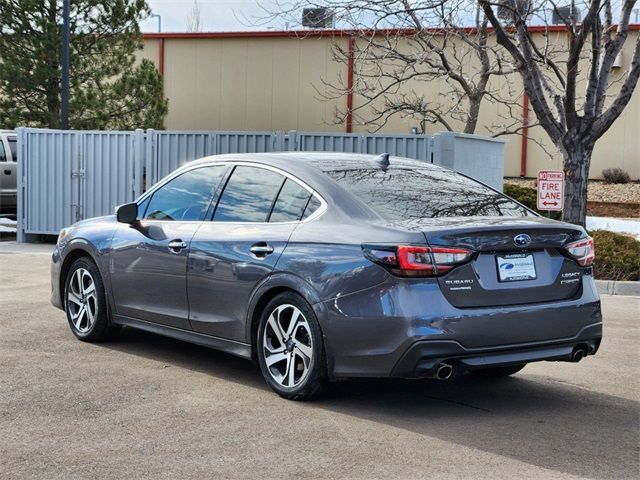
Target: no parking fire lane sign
550,190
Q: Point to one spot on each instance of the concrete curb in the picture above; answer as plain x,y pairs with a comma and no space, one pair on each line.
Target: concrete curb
611,287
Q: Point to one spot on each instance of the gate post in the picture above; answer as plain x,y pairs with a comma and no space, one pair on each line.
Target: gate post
20,185
138,162
77,175
150,160
279,141
292,139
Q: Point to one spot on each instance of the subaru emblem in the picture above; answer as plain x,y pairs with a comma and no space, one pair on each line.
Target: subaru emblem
522,240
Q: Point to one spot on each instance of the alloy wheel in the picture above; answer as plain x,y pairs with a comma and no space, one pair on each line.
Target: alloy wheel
288,346
82,300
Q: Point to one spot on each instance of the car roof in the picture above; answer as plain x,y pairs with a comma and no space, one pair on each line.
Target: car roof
322,161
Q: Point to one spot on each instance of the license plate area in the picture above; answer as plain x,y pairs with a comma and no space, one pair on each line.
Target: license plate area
515,267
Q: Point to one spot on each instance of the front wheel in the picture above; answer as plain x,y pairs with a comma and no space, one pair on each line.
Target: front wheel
498,372
85,302
290,348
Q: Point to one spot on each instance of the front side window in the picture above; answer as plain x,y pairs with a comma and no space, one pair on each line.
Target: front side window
291,202
142,208
186,197
403,193
248,195
3,155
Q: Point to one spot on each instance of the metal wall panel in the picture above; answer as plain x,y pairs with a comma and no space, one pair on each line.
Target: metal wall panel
107,175
244,142
174,149
410,146
49,168
325,142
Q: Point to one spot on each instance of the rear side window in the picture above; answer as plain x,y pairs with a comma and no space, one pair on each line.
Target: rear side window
313,205
3,155
291,202
414,193
248,195
186,197
13,146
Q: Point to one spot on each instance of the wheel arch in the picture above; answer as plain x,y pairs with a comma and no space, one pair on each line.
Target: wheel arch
78,250
275,285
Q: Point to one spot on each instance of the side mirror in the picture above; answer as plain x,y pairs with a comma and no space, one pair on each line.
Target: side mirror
127,213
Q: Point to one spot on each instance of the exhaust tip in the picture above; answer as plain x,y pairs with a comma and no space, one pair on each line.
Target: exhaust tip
578,353
444,371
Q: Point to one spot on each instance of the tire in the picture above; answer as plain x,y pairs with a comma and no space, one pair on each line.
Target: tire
291,358
85,302
498,372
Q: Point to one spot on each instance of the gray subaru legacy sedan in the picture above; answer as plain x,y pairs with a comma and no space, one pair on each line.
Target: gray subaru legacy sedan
324,266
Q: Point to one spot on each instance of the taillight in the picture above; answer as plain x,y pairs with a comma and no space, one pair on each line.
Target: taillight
412,260
582,250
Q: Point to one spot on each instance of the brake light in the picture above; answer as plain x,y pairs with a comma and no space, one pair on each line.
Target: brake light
412,260
583,251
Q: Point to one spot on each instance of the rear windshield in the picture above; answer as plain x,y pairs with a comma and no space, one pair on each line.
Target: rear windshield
412,194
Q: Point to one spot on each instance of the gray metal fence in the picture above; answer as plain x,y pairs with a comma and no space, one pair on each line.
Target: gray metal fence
66,176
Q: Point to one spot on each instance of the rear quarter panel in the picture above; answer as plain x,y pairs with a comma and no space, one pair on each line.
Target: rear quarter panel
328,256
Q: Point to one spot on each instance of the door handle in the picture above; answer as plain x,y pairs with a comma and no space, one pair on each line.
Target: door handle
7,172
261,249
176,245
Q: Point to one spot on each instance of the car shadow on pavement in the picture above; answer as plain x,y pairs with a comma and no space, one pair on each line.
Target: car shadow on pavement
530,418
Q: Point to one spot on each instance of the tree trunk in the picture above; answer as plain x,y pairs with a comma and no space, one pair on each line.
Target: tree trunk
53,86
474,112
576,160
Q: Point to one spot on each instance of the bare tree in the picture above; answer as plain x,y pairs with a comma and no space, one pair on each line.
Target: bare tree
194,20
417,59
573,120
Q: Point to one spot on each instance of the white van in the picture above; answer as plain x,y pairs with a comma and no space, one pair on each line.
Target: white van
8,171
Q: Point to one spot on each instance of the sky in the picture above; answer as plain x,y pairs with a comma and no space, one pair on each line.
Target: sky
235,15
216,15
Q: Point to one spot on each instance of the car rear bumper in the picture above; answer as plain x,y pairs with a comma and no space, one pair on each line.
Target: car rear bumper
423,358
399,327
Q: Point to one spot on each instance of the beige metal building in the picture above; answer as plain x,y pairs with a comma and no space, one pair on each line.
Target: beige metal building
274,81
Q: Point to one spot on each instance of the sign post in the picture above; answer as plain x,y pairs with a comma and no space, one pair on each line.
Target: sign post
550,190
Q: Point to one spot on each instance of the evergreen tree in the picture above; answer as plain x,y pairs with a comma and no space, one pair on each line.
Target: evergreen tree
109,88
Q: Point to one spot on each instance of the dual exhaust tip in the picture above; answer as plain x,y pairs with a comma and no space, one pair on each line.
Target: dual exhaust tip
579,352
444,370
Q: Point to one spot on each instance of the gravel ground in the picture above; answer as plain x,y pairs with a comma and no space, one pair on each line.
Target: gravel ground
598,191
150,407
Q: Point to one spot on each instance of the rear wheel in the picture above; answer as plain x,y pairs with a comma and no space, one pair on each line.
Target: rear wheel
85,302
498,372
290,348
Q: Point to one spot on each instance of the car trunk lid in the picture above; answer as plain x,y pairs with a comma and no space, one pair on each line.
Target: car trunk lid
516,260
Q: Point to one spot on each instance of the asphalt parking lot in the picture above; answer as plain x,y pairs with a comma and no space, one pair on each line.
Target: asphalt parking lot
149,407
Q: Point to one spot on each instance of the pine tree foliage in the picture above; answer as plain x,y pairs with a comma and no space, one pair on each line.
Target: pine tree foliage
110,88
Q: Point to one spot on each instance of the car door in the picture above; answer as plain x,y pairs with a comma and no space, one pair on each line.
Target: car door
253,220
8,176
149,261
